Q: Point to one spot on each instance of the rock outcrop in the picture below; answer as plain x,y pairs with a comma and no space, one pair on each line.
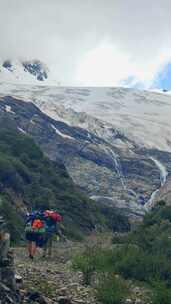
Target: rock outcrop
8,288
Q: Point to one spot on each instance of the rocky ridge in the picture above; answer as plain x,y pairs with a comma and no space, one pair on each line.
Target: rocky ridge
24,71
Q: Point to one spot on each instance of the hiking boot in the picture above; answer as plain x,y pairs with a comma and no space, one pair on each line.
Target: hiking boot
31,257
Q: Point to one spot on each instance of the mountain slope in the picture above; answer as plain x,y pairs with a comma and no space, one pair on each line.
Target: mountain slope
29,180
117,173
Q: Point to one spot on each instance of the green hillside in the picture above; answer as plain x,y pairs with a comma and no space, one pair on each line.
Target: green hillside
29,180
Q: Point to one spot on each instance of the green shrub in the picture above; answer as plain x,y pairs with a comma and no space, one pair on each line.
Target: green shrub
161,293
86,264
94,259
132,262
73,233
112,290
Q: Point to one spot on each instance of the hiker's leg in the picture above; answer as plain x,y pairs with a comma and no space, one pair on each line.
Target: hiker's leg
50,246
34,247
30,238
45,246
44,249
29,247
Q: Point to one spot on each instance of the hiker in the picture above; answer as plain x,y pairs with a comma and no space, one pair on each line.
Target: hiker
35,232
52,219
4,241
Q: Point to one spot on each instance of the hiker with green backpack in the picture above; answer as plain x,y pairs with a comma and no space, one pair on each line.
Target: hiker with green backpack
35,232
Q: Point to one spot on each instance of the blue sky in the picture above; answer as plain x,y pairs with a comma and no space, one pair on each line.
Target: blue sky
163,78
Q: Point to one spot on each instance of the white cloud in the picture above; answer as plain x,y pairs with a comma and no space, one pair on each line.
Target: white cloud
104,65
95,42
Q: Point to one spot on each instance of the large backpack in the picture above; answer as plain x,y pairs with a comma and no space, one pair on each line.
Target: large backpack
51,219
35,224
56,217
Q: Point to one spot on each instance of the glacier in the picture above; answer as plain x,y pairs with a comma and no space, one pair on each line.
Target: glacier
143,116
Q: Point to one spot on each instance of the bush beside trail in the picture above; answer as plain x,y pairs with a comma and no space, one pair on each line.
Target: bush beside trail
142,256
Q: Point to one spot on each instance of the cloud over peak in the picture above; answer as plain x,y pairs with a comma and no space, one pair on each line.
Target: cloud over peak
99,42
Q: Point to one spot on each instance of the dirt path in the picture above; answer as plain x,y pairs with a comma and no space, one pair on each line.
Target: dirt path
53,278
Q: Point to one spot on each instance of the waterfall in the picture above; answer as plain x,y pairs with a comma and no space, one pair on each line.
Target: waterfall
163,171
163,179
118,166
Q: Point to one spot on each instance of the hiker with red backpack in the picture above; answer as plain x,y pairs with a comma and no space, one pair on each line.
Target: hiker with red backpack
52,219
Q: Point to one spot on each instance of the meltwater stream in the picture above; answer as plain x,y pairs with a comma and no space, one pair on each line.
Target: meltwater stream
118,167
163,179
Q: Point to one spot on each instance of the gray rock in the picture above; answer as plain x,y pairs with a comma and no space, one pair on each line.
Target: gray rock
8,288
36,297
64,300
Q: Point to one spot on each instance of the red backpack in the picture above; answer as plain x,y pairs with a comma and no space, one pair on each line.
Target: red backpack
53,215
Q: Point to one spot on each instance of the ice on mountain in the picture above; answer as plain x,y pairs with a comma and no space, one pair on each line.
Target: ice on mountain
60,133
8,109
32,122
21,130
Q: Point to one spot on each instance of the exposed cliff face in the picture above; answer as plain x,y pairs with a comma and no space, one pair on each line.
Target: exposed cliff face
115,171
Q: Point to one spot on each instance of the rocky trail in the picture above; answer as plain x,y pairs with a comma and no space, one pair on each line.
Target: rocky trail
52,280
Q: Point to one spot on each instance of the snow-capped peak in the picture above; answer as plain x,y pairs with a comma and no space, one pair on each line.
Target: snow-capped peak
27,71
